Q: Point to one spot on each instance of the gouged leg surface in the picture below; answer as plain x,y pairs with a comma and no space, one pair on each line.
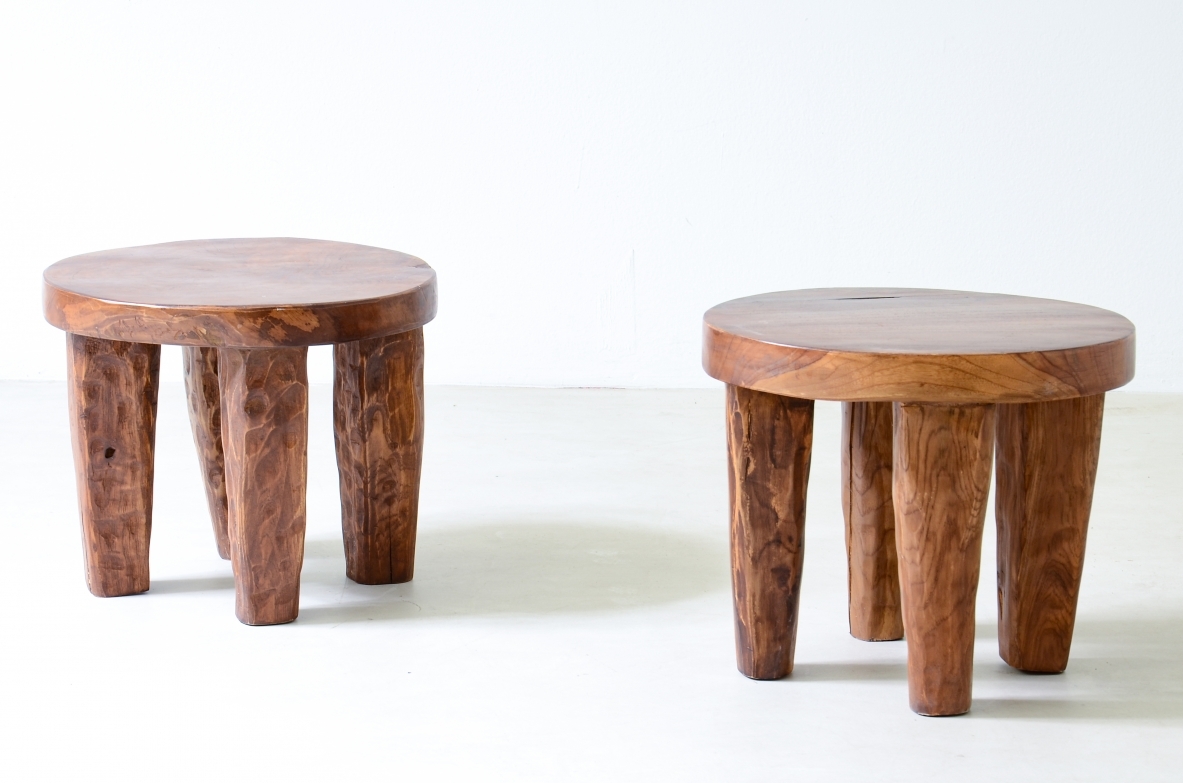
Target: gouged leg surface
265,435
112,392
378,427
205,415
1046,466
940,483
769,442
872,570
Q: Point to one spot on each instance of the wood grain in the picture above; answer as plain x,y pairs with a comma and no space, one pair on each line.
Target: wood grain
769,441
378,426
265,434
916,345
241,293
246,310
112,395
1046,466
941,478
944,359
872,571
205,416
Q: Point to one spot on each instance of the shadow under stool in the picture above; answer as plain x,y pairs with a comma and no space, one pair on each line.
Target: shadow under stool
935,385
246,311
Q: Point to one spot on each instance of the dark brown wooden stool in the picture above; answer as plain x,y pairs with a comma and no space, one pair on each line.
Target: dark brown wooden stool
246,311
930,381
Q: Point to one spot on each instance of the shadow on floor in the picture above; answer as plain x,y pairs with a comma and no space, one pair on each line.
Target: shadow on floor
196,585
324,548
1128,668
525,568
1121,669
849,672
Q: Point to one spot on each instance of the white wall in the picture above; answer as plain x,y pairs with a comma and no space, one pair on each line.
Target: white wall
588,178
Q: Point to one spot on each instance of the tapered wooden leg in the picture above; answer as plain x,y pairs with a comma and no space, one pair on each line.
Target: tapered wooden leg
941,478
112,389
872,572
769,441
1046,465
378,423
205,414
265,435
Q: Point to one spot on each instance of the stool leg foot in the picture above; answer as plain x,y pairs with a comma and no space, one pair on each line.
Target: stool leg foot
265,434
872,571
205,414
378,426
1046,465
112,390
940,483
769,441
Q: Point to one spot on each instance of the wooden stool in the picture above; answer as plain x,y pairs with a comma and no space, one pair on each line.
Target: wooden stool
929,381
246,311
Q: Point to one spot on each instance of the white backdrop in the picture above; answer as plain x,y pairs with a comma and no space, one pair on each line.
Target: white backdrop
588,178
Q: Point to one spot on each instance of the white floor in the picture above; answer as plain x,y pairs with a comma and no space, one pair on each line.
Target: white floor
570,620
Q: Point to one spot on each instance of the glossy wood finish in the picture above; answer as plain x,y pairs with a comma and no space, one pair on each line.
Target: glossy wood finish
769,441
112,392
265,435
944,360
378,426
240,292
1046,465
941,477
872,571
246,310
918,345
205,416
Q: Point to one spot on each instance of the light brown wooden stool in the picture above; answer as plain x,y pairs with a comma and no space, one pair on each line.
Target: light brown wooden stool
930,381
246,311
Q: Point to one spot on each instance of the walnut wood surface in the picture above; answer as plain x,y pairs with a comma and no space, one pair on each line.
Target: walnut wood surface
240,292
872,571
1046,465
205,414
916,345
378,425
769,440
112,390
941,478
265,436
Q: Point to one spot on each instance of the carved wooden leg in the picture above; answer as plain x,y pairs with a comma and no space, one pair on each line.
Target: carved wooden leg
205,414
112,389
940,483
265,435
769,440
1047,461
872,573
378,423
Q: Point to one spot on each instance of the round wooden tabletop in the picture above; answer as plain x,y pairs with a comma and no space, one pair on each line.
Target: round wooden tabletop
916,345
241,293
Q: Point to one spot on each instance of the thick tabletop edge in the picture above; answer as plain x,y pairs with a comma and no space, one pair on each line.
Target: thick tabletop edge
244,327
851,376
